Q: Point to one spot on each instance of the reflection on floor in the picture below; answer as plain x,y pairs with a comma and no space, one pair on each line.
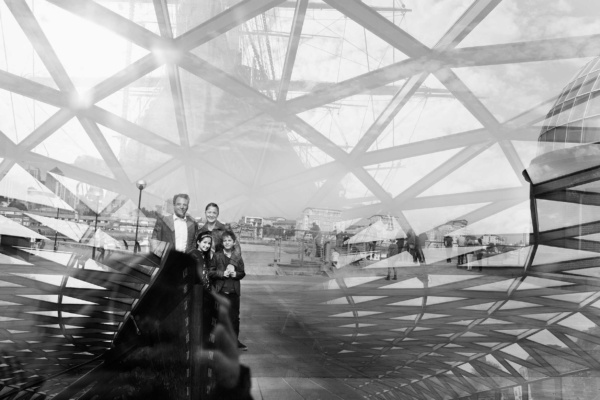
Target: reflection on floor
437,332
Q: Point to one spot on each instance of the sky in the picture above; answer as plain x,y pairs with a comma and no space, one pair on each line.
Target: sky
332,49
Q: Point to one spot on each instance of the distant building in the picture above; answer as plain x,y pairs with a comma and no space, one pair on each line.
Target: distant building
324,218
15,215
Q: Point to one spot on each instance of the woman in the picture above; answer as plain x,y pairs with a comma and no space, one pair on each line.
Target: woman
216,228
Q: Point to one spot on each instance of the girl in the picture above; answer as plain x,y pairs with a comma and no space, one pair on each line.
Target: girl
203,256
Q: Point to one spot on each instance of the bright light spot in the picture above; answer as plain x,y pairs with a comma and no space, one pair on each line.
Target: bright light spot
166,55
81,101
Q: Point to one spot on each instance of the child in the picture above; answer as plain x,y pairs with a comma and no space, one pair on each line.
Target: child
203,257
226,272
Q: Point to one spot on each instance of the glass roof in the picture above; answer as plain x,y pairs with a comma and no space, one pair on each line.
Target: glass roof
422,112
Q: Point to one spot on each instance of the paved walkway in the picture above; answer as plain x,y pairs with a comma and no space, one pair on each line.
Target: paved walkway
283,363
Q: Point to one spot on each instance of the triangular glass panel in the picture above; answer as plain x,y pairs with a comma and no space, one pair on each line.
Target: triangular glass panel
417,302
594,237
155,114
432,300
51,298
513,304
6,260
398,175
475,175
494,321
591,272
71,144
519,367
17,55
60,258
423,220
523,28
351,188
26,115
343,49
546,338
541,317
578,322
73,230
420,120
488,344
439,280
412,18
346,121
494,362
479,307
143,14
499,286
431,316
517,80
363,299
357,325
358,314
463,322
217,116
532,282
136,158
551,255
9,227
308,154
571,297
169,181
471,334
564,366
263,43
555,214
19,184
593,187
89,55
95,198
517,351
407,317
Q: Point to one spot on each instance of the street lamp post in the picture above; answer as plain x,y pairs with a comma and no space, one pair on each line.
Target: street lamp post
141,184
96,194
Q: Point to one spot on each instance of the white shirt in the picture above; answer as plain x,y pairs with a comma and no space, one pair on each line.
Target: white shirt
181,233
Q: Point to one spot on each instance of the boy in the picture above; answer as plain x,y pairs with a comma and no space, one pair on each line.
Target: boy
226,271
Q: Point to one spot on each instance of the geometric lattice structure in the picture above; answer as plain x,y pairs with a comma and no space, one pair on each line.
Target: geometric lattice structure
270,106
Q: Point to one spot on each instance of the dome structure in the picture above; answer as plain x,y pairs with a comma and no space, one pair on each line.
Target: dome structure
424,114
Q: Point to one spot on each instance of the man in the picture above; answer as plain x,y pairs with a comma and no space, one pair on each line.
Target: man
179,230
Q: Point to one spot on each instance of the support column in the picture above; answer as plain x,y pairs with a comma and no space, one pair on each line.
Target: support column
525,391
558,389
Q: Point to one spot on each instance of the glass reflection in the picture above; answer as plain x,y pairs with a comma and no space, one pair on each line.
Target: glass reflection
393,247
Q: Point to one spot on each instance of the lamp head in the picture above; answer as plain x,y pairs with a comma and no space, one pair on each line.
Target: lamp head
141,184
